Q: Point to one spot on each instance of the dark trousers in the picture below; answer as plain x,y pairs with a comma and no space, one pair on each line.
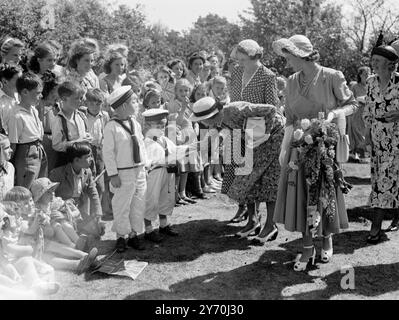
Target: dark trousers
30,163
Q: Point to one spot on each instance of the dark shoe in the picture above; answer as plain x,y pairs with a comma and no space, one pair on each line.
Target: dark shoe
135,243
189,200
200,196
379,237
271,236
153,237
240,216
120,245
168,231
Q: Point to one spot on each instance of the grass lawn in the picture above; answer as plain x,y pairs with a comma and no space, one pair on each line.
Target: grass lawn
207,262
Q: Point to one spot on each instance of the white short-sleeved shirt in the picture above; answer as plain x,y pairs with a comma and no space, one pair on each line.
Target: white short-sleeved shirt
25,126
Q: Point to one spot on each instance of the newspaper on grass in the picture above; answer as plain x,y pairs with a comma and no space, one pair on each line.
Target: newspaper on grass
116,265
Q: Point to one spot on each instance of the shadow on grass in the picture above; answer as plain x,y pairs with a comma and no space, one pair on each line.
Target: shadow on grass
369,281
344,243
358,214
195,238
263,279
273,274
271,280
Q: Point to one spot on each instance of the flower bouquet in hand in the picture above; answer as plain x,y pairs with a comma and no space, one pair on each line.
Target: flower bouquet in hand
316,141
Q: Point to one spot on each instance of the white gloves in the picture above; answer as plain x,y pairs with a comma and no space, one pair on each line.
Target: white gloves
286,142
340,115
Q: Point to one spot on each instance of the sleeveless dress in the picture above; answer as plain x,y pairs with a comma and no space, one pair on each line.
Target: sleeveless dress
260,89
327,91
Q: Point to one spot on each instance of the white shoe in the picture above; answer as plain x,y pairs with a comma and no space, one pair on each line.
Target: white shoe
326,255
301,266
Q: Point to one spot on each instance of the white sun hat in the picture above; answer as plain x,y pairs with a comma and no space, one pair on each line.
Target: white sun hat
204,108
298,45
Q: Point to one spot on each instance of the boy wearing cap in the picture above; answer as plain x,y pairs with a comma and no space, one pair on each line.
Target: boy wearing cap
125,157
162,154
26,132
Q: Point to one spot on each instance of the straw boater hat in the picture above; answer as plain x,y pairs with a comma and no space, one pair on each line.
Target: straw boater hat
298,45
204,108
119,96
41,186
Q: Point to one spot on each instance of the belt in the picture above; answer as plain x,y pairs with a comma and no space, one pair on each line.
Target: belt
32,143
48,133
132,167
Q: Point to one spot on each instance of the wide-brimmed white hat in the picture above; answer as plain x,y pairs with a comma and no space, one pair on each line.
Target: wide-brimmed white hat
298,45
204,108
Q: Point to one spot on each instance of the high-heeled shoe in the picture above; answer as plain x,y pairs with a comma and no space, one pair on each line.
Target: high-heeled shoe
249,230
301,266
189,200
271,236
240,216
326,255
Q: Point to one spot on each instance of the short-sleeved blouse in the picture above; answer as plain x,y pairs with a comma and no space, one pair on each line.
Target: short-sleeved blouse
261,88
326,92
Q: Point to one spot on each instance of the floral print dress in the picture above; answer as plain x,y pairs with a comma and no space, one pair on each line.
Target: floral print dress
385,142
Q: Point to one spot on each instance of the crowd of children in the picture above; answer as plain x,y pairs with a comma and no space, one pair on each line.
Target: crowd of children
77,146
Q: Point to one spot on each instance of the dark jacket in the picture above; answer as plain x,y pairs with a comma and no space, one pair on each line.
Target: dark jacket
65,177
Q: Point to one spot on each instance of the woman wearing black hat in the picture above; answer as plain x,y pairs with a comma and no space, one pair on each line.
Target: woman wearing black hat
381,115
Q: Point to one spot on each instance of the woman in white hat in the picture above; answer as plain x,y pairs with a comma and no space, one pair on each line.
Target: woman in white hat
310,90
256,179
252,82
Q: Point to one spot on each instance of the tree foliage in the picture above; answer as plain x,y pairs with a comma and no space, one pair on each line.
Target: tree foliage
270,20
342,43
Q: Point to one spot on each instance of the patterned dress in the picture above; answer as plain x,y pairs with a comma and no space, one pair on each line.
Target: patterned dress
385,142
260,171
260,89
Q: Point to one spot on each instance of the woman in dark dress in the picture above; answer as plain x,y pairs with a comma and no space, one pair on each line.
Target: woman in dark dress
252,82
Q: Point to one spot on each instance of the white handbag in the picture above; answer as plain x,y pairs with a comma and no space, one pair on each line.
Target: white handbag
342,152
255,132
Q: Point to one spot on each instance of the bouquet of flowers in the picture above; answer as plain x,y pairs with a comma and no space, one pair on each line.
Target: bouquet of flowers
316,141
